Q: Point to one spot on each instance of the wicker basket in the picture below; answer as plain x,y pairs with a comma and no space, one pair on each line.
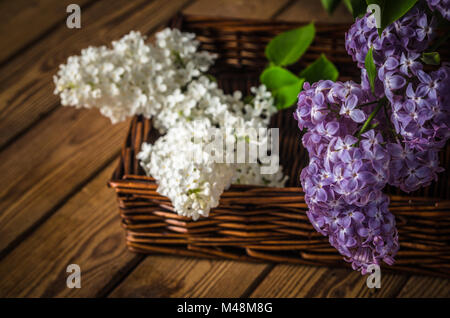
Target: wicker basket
258,223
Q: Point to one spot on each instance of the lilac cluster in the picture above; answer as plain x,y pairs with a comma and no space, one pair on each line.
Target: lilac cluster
344,178
408,118
420,118
418,100
443,6
409,35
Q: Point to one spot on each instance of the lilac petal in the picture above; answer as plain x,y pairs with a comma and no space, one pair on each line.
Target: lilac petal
303,111
351,242
374,223
345,156
423,77
421,34
358,216
362,231
423,172
357,115
412,164
319,99
332,127
350,140
345,221
410,91
397,81
409,106
357,164
421,91
411,182
352,185
352,102
367,177
321,195
378,241
315,138
422,22
391,63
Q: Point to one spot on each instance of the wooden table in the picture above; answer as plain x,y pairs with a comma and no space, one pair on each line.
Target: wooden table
55,207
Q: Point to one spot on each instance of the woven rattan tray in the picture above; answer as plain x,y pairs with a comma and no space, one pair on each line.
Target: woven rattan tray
268,224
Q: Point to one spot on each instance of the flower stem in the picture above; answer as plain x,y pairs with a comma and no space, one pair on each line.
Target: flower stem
366,124
391,127
369,103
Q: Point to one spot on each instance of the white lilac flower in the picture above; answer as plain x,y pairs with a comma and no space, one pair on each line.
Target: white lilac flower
165,81
132,77
195,187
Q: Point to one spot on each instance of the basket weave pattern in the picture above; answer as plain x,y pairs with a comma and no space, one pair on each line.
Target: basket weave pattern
258,223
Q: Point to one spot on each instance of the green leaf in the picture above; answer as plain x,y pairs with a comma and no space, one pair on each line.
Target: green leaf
356,7
431,58
275,77
283,84
330,5
286,96
392,10
286,48
371,69
320,69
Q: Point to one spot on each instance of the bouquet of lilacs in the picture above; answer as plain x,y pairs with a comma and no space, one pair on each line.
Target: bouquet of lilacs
168,82
386,130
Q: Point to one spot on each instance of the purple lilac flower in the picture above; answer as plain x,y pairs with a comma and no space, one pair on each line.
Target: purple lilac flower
343,182
412,169
410,34
420,112
409,64
419,100
443,6
345,175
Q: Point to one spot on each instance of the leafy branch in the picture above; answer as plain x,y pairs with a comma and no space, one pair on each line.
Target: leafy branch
284,50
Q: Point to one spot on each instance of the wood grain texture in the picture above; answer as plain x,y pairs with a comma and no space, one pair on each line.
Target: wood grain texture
307,11
22,21
246,9
86,232
26,85
49,162
429,287
311,281
171,276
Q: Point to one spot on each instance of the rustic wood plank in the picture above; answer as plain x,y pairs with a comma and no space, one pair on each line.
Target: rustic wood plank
427,287
49,162
246,9
26,85
307,11
289,281
312,281
171,276
85,231
22,21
